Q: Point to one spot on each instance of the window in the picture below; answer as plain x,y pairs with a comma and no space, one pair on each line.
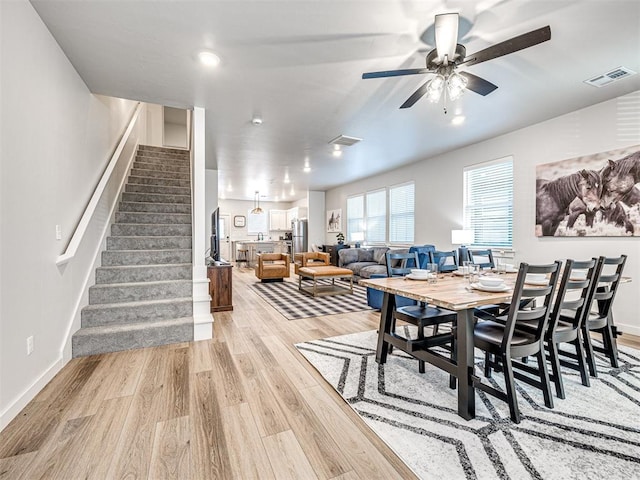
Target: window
488,202
401,213
376,216
355,218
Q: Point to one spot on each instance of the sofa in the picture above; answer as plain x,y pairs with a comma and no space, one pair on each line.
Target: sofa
372,263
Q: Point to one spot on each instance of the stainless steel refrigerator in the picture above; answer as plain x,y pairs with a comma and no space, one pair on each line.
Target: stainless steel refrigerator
299,236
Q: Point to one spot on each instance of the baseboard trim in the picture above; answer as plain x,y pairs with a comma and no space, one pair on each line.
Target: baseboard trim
630,329
202,327
16,406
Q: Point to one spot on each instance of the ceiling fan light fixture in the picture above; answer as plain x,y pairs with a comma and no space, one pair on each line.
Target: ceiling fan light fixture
456,84
435,88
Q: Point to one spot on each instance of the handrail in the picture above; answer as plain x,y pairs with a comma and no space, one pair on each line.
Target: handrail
80,230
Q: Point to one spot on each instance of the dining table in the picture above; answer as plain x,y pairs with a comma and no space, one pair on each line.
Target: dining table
452,292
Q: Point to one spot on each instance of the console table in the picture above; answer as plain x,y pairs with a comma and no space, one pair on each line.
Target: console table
220,287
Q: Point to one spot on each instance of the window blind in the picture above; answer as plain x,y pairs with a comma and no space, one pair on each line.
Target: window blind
488,203
376,216
401,213
355,216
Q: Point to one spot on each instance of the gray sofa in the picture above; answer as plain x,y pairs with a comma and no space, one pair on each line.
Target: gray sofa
364,262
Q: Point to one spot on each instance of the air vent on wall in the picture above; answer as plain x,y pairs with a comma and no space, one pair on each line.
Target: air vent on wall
345,141
610,77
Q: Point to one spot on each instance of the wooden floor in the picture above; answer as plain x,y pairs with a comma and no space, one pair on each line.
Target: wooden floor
243,405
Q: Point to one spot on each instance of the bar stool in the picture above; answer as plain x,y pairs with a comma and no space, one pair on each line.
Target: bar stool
242,256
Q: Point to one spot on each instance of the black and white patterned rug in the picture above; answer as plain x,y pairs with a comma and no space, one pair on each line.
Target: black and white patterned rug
293,304
594,433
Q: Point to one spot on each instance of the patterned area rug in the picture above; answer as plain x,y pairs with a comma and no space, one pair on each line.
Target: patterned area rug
292,304
594,433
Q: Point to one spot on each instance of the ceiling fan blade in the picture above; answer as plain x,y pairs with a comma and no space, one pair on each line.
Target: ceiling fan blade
514,44
417,95
395,73
446,33
477,84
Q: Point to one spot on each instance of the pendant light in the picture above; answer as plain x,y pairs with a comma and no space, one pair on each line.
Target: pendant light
256,204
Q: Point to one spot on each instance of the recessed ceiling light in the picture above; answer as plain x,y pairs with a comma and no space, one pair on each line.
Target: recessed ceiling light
306,169
337,153
208,58
458,120
256,121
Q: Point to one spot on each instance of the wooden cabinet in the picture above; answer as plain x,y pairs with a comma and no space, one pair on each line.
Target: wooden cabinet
278,220
220,287
333,250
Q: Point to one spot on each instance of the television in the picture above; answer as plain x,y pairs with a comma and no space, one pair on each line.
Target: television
215,235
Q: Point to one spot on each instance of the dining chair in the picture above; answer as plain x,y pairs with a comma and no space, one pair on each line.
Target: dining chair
447,261
420,314
482,258
501,340
601,321
573,299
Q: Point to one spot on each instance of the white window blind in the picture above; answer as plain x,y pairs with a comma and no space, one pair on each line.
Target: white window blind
355,217
401,213
488,203
376,216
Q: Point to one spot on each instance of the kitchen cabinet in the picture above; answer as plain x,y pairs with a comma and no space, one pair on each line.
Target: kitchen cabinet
278,220
295,213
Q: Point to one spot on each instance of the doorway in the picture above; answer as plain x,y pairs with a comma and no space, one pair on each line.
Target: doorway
225,243
175,131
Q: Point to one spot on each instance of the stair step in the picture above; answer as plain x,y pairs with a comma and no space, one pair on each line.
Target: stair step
145,257
155,197
139,291
143,230
148,243
163,159
143,273
163,150
154,207
114,338
166,189
170,182
135,312
138,172
157,167
152,218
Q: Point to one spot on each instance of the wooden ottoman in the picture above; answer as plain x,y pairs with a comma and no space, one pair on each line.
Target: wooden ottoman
328,271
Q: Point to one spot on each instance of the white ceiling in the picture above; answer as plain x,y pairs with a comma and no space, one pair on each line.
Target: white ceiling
298,65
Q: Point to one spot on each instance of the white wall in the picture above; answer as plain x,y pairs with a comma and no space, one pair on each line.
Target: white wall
317,218
56,140
606,126
155,125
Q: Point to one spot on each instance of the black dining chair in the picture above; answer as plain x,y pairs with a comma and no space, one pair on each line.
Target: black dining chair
420,314
573,299
482,258
503,343
601,321
446,261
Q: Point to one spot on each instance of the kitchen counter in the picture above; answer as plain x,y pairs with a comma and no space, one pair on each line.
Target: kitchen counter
259,246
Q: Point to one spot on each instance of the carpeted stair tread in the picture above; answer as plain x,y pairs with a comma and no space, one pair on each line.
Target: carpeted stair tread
155,197
170,182
152,217
149,242
166,189
143,273
113,338
160,167
145,257
138,291
154,207
141,229
136,312
138,172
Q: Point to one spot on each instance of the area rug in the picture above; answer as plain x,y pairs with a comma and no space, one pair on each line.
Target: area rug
594,433
292,304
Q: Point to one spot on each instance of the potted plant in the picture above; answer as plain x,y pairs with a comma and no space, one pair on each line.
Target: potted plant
340,238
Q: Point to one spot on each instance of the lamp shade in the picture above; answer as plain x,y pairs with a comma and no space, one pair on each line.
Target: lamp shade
462,237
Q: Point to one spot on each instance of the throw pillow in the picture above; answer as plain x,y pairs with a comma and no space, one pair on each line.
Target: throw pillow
348,255
365,254
379,255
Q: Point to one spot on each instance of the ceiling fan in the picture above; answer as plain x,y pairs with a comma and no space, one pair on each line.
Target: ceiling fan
449,55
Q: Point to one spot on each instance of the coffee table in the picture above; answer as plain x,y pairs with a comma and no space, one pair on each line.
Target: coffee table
320,272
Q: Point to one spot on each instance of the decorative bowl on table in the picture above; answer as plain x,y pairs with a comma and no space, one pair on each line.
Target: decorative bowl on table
419,272
490,281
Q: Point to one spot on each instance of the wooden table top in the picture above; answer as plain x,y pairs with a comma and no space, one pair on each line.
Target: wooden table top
450,291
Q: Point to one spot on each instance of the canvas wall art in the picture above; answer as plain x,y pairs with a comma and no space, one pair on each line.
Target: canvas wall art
590,196
334,220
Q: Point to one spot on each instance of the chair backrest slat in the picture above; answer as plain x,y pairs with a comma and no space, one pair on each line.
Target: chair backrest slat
482,258
398,263
447,261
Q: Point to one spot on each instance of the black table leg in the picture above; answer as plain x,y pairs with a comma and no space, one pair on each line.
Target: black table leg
466,391
386,322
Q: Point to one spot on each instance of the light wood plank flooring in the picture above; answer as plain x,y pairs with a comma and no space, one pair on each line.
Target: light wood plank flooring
243,405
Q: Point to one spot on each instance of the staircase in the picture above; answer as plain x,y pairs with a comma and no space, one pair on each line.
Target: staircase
143,291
